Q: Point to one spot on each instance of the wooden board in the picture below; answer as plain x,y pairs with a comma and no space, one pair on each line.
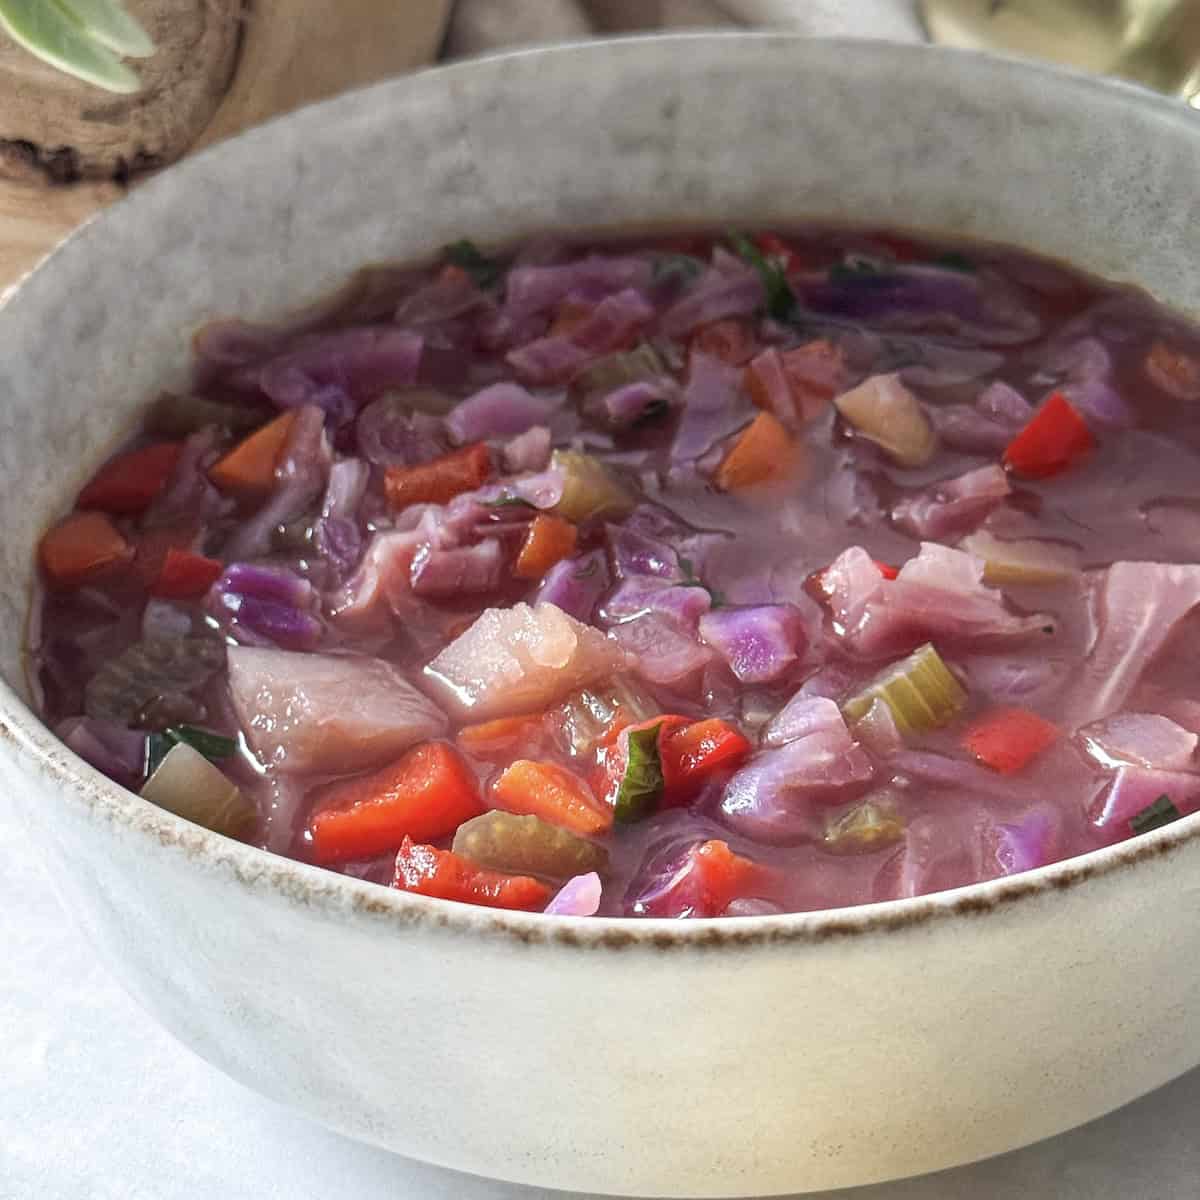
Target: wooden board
292,52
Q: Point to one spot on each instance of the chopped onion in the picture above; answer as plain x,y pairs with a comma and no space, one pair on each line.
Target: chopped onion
885,412
1025,560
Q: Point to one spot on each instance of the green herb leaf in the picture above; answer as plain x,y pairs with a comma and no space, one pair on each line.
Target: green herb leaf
781,300
508,502
465,254
642,786
676,268
1155,816
78,38
214,746
952,260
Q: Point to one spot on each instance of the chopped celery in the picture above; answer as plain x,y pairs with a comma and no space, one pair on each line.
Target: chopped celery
920,690
615,370
588,715
188,785
885,412
1022,561
177,416
869,825
527,845
588,489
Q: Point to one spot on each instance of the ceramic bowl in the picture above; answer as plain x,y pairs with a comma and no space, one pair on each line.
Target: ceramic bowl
706,1058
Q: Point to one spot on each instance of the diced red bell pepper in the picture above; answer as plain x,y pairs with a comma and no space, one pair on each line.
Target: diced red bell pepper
131,481
425,794
886,569
185,574
709,879
439,481
81,548
691,754
1055,438
817,580
448,876
1008,739
730,340
776,248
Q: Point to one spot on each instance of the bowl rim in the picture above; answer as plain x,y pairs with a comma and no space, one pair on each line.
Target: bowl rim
332,894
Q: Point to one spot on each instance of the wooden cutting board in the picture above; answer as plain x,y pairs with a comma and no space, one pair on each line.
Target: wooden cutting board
287,53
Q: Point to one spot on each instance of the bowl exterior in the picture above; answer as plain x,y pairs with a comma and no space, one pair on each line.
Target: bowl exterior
768,1055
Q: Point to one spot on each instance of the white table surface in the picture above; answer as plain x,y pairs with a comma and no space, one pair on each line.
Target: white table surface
98,1103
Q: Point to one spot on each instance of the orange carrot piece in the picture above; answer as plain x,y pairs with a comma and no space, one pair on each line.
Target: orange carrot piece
448,876
764,449
502,736
427,793
130,482
541,789
80,548
549,540
248,470
438,481
569,316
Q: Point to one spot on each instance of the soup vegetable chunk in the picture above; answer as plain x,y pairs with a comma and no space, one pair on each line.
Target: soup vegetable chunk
691,576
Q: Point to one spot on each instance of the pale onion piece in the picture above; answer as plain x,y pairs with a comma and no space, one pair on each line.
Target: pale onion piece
189,786
1025,560
885,412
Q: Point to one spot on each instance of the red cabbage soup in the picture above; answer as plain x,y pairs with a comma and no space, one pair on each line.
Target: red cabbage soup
690,576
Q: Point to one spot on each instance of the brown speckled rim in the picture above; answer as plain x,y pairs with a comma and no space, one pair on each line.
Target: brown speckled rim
339,895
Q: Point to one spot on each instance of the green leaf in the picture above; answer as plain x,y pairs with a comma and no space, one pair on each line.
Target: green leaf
781,300
508,502
465,254
50,31
952,260
1155,816
214,746
111,26
642,786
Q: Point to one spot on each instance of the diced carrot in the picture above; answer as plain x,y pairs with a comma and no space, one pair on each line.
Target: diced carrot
1008,739
131,481
691,754
185,574
502,736
549,540
80,548
775,247
1178,374
730,340
763,450
425,794
542,789
569,315
439,481
1054,439
248,470
448,876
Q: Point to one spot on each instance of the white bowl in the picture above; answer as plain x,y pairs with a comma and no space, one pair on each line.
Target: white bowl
711,1058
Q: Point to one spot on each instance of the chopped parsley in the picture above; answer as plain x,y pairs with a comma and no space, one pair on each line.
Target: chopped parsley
781,300
465,254
1155,816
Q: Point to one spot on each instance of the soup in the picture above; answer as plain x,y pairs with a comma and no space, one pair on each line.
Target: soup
689,576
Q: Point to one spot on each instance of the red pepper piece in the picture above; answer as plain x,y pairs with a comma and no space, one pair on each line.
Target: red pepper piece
1053,440
448,876
131,481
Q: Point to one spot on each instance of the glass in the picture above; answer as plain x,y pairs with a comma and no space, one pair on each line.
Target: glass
1152,42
